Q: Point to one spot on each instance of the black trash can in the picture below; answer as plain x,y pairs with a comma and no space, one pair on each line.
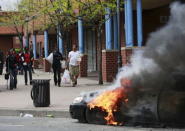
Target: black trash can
40,92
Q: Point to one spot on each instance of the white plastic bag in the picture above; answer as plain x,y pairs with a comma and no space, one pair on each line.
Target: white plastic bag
66,77
63,64
50,58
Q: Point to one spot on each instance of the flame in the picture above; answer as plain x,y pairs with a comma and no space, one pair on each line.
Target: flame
109,102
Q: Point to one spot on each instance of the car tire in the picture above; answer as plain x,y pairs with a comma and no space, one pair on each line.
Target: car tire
95,116
83,118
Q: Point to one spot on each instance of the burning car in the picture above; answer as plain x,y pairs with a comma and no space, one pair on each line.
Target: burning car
134,106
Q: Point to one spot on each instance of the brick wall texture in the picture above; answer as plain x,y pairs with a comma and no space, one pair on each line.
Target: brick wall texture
126,54
36,64
6,43
47,65
83,66
5,30
109,65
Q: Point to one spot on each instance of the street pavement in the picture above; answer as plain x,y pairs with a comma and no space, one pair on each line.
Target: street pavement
18,102
63,124
56,117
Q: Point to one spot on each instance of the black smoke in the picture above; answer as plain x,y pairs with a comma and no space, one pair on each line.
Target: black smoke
154,65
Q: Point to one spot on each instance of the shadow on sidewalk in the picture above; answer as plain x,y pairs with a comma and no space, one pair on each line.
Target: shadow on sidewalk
93,75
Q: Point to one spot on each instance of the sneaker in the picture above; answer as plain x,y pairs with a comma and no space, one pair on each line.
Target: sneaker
26,84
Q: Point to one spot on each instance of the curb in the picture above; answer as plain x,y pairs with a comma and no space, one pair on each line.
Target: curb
35,113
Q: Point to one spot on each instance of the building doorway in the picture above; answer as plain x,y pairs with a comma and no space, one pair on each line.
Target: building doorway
91,50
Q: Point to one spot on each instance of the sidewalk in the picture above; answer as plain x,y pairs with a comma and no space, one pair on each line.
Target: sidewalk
15,102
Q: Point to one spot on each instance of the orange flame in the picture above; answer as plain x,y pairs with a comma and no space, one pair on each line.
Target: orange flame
109,102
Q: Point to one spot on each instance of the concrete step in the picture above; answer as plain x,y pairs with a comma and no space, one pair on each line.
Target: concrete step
35,113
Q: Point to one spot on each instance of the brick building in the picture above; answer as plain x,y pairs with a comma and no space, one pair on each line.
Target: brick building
8,35
8,39
138,19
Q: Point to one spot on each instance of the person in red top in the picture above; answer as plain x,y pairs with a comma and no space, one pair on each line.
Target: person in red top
26,60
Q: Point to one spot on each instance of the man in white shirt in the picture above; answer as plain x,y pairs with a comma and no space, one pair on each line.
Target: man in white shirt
74,62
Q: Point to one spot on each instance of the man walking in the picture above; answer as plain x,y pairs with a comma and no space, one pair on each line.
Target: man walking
11,68
32,59
57,58
74,62
26,60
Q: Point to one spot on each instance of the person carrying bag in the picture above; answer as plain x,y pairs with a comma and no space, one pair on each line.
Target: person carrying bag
74,59
56,65
11,70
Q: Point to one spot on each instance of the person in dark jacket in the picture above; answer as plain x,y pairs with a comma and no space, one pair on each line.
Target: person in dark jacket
57,58
1,62
11,68
26,60
32,59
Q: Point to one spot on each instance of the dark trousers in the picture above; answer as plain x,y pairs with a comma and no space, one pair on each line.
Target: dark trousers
27,69
32,67
57,76
13,78
1,69
20,68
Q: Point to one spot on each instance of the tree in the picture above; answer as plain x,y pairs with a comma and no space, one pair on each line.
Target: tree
67,12
18,19
13,19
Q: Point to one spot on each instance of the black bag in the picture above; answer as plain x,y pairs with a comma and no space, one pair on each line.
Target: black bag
6,76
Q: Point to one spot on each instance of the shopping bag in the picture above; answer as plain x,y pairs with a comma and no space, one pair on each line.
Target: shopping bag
6,76
66,77
50,58
63,64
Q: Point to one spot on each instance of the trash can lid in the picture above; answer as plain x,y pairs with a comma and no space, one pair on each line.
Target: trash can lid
35,80
41,79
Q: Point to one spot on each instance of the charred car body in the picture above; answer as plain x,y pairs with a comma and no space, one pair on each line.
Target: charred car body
146,106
